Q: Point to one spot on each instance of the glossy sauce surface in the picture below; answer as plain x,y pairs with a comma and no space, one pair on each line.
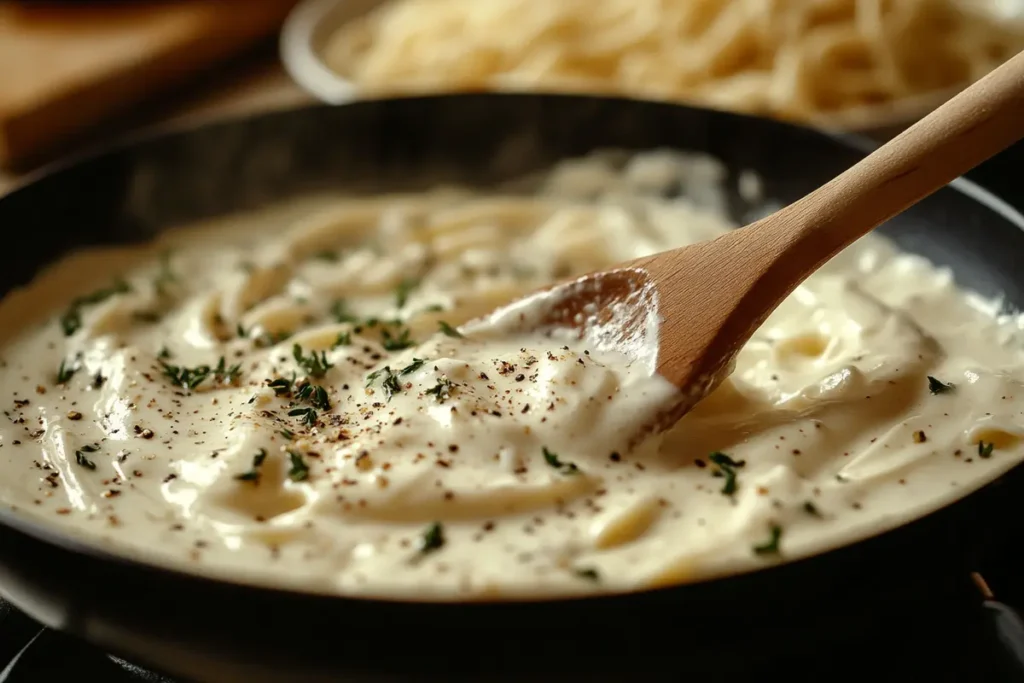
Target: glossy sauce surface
286,398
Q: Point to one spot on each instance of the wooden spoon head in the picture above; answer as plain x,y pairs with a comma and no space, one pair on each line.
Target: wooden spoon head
619,310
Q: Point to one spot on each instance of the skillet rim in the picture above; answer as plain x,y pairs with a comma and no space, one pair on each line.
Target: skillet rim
52,536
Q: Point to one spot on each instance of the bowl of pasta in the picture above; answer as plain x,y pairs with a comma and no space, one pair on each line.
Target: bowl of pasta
250,437
853,65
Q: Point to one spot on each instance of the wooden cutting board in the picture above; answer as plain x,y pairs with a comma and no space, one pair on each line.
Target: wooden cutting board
69,66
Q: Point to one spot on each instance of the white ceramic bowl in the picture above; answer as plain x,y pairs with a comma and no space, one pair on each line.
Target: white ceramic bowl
305,32
310,25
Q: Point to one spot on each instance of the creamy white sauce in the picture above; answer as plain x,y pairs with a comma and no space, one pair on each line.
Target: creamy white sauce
497,466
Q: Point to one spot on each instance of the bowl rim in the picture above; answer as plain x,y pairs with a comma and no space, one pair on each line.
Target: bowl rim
302,61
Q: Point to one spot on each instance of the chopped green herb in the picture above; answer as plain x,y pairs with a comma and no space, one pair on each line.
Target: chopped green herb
985,450
812,509
83,461
937,387
299,470
391,386
187,378
415,365
341,314
241,331
433,308
164,352
65,372
253,474
396,342
771,546
287,433
71,320
309,416
315,366
390,383
433,539
726,468
190,378
326,255
403,291
588,573
442,391
343,339
227,374
372,377
448,329
282,386
552,459
316,395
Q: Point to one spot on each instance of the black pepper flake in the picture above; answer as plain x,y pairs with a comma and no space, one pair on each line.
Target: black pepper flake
84,461
919,436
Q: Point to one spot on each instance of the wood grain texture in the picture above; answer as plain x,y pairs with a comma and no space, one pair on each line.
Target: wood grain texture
67,67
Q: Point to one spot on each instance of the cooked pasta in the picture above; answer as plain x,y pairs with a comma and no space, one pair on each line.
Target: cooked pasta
807,60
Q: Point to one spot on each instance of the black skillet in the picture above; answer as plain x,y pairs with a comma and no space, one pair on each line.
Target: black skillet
208,630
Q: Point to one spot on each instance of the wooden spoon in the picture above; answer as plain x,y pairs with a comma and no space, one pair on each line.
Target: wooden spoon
686,312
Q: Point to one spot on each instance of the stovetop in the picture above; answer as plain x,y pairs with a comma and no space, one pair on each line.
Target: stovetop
956,637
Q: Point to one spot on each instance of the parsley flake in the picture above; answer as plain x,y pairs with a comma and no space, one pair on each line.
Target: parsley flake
726,468
299,470
254,473
397,341
771,546
316,395
442,391
448,329
433,539
341,314
985,450
66,371
71,320
552,459
415,365
309,416
315,366
390,383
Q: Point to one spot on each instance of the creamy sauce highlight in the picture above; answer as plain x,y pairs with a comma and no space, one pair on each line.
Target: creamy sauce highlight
285,399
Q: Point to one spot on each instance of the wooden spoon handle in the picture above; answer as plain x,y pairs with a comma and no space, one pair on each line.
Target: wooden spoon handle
984,119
